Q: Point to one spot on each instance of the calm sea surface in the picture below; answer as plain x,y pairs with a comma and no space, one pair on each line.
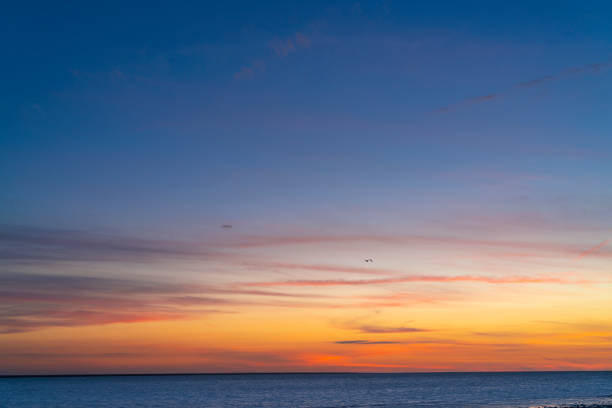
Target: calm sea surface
310,390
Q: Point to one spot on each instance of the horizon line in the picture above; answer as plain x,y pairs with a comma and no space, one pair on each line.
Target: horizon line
296,373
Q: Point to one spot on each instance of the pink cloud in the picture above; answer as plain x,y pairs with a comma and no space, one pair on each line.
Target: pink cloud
428,241
415,278
594,249
323,268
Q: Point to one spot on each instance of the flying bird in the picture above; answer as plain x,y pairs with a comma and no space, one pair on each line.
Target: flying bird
370,260
226,226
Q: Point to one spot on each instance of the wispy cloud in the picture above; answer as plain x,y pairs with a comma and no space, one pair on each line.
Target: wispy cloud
321,268
30,243
302,40
382,329
470,101
257,241
417,278
596,67
407,298
583,326
32,301
594,249
366,342
431,242
248,71
280,48
284,47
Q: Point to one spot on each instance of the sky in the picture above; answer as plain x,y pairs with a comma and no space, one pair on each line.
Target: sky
376,186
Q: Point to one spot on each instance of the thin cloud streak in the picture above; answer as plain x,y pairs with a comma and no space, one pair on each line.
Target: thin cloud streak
40,244
30,243
596,67
594,249
281,48
32,301
416,278
248,71
366,342
427,241
380,329
323,268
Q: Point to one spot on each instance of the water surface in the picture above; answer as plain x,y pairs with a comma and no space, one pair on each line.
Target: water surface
309,390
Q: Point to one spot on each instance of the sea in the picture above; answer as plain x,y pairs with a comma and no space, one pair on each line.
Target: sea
519,389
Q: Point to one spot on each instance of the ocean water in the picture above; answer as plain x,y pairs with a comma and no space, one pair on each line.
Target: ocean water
310,390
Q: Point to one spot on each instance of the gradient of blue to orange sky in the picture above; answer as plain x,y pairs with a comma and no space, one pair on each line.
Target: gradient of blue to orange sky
465,147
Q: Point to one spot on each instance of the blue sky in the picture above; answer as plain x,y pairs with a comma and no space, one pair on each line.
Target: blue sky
178,117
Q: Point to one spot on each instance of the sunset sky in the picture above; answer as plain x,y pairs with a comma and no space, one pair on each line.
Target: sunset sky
196,186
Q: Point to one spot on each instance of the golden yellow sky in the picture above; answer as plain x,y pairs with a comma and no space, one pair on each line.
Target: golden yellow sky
257,304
